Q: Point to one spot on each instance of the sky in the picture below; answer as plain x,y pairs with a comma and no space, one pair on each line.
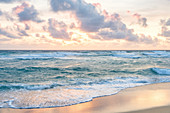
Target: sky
84,25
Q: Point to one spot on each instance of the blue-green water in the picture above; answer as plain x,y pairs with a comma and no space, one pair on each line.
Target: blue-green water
38,79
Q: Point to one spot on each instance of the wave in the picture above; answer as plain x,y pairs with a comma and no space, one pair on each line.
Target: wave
68,78
37,97
78,69
157,54
127,55
30,69
36,56
123,71
28,87
161,71
70,95
70,54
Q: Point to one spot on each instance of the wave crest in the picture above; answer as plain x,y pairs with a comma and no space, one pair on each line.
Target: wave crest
161,71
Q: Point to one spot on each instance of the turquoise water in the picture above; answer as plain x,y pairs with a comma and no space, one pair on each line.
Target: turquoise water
42,79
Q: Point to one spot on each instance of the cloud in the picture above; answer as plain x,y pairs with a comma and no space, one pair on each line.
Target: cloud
8,16
165,31
8,34
27,12
4,39
27,26
63,5
147,39
9,1
168,22
23,33
14,32
114,24
114,28
86,13
57,29
141,20
126,35
105,26
105,34
90,18
1,13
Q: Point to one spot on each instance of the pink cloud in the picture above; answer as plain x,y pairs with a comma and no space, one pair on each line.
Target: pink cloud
140,20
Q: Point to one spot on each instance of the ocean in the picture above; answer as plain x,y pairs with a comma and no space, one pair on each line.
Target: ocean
43,79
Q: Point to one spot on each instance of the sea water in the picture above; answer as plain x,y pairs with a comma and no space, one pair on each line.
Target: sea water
42,79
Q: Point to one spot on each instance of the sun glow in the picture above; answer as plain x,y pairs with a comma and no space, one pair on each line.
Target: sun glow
79,36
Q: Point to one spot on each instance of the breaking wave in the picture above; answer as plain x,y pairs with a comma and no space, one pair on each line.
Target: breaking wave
161,71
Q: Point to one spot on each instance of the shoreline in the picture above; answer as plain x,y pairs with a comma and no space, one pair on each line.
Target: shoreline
140,99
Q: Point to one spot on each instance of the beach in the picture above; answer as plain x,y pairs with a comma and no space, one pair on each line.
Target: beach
84,56
152,98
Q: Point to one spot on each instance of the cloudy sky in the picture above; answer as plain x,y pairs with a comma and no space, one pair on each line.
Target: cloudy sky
85,24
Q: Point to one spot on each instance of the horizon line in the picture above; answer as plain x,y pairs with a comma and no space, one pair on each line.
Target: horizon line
83,50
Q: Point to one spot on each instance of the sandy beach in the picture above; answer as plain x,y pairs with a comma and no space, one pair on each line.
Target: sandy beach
144,99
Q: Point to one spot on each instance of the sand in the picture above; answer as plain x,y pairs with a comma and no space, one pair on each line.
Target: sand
153,98
163,109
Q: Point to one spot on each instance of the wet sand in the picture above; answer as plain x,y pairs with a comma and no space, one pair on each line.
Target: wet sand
153,98
163,109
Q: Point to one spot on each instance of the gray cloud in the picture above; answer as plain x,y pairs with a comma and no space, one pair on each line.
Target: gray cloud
147,39
27,12
63,5
165,22
1,13
7,15
90,19
11,1
141,20
4,39
126,35
165,31
114,28
7,34
168,22
118,34
14,32
112,34
27,27
106,27
8,1
57,29
22,33
115,25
